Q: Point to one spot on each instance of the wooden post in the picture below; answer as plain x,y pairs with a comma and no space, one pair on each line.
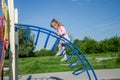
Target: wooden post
13,60
16,45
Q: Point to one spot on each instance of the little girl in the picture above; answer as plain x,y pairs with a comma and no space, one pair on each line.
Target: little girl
60,32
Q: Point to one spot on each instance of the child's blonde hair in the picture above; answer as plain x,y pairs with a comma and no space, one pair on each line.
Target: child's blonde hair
56,21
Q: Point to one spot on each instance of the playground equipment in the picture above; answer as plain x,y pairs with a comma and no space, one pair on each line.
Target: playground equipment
1,45
8,37
76,57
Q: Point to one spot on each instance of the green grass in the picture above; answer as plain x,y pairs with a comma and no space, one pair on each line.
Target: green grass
102,55
53,64
105,64
41,65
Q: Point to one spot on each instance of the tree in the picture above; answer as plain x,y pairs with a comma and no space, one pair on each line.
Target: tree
76,42
111,44
26,49
88,45
114,43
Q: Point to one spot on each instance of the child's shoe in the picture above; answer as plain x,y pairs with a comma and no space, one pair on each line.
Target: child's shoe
57,54
63,59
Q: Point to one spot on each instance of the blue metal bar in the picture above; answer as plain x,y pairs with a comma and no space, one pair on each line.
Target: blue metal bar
73,52
34,27
55,44
37,37
16,28
78,71
43,31
46,42
84,66
74,64
27,34
34,30
1,49
88,74
89,64
67,45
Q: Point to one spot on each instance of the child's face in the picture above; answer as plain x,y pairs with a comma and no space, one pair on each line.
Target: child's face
55,25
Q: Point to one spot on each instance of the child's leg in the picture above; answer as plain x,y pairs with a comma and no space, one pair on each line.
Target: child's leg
64,58
59,49
65,55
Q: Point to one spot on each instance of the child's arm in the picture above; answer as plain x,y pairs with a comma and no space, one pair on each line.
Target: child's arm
61,31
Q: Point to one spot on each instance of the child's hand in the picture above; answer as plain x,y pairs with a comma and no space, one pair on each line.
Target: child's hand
55,35
58,34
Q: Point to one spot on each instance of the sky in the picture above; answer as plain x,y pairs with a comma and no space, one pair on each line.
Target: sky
97,19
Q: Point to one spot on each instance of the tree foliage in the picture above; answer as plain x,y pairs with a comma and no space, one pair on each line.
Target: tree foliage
88,45
26,49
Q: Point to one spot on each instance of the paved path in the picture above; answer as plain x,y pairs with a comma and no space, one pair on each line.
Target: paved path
105,74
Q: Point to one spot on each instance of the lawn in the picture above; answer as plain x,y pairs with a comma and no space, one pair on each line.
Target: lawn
53,64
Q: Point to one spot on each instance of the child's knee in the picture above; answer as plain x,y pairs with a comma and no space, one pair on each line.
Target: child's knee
63,44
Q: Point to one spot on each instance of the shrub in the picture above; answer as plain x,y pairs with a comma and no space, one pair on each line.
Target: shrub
118,57
44,52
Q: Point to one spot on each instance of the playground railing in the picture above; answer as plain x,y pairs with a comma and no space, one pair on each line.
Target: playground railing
76,56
